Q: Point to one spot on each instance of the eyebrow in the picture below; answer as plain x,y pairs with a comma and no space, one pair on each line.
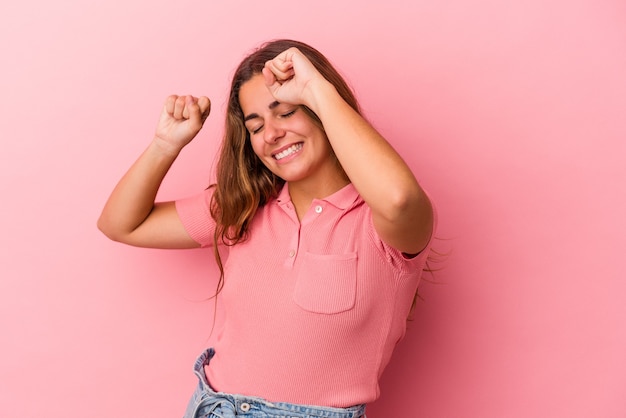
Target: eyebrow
256,115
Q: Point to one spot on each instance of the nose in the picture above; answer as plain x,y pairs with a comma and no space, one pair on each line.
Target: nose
272,132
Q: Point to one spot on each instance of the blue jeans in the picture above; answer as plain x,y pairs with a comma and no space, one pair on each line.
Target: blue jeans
206,403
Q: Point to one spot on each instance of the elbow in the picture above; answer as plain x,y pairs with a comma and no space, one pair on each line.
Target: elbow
406,220
103,227
108,230
416,215
405,201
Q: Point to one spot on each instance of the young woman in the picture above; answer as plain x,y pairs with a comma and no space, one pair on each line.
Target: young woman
319,228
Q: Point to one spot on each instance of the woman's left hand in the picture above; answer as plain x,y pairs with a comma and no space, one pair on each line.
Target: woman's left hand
292,78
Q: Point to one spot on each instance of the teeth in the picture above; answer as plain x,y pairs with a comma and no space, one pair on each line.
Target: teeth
288,151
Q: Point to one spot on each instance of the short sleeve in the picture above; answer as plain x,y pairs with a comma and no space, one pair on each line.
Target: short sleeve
195,214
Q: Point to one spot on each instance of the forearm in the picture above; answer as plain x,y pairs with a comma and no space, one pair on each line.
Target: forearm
380,175
401,211
133,198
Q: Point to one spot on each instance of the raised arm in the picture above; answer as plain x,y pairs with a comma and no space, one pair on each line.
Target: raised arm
131,215
402,213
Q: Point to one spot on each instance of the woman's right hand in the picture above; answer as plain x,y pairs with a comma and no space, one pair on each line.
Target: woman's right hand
131,214
181,119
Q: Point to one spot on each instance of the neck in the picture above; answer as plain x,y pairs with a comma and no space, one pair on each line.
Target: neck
303,192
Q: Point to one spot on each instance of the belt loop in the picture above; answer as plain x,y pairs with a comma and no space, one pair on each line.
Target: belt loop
227,408
198,367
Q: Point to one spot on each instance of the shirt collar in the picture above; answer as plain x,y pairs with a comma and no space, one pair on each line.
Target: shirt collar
341,199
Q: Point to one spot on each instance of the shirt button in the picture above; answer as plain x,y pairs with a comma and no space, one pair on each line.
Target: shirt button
245,407
292,253
318,209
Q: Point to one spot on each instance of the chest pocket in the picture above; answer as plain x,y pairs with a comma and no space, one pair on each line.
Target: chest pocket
326,283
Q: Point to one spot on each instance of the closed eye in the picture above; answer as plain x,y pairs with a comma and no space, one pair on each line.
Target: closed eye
288,114
256,130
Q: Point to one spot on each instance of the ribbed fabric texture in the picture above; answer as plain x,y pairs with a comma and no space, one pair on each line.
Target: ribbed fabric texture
313,309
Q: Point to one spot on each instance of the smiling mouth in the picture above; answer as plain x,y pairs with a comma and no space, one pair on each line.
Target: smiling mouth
287,152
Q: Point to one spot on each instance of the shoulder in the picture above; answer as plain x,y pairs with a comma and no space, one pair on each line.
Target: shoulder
195,214
409,263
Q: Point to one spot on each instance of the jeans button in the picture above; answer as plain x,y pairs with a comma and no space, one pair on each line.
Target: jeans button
245,407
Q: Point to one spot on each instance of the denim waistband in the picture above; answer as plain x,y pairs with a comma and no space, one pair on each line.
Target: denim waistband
207,402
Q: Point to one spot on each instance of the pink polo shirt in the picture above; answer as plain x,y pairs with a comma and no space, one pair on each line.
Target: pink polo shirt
313,309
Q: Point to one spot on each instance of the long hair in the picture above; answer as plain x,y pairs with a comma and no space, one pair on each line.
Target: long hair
243,183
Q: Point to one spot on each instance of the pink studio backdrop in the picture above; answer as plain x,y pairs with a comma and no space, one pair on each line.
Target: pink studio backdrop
510,113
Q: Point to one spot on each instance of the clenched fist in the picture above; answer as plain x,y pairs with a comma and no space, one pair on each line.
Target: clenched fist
181,119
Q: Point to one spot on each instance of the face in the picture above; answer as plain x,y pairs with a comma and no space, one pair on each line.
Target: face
284,137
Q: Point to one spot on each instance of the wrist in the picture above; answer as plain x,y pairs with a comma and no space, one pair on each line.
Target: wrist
319,92
164,148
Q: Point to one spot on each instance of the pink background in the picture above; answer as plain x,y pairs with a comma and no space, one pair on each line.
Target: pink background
512,116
